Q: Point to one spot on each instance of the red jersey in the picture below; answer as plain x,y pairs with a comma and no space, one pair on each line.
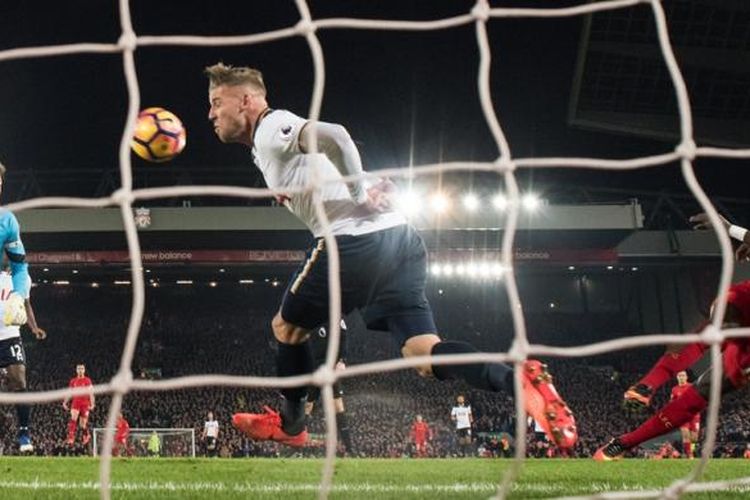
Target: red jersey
80,382
693,424
679,390
123,429
420,431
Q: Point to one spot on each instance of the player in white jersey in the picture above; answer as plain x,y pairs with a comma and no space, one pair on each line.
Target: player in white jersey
383,260
15,310
463,418
210,434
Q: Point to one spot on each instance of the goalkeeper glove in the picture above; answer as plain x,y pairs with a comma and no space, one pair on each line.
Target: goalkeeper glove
14,311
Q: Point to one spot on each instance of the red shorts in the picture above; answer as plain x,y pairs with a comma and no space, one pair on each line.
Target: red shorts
83,407
420,445
736,357
694,425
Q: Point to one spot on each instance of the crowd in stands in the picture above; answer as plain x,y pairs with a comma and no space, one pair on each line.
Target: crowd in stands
188,331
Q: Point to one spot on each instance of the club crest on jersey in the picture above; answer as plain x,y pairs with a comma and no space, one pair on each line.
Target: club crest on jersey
286,132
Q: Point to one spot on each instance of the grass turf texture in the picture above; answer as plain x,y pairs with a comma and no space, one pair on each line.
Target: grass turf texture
74,478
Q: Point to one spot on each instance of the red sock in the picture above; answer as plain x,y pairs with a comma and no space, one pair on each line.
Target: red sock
677,412
671,363
71,430
687,447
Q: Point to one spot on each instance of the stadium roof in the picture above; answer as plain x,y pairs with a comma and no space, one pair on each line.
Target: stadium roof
622,83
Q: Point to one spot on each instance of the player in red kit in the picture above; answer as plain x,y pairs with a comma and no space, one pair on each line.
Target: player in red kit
694,398
420,433
691,429
121,436
80,407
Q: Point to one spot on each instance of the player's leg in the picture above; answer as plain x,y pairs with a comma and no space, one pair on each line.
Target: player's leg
540,397
400,305
72,424
495,377
313,391
16,382
694,434
294,358
676,359
687,442
342,419
304,307
313,394
682,410
467,444
462,443
83,419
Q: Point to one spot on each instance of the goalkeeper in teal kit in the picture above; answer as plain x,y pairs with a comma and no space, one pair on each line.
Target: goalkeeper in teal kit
15,310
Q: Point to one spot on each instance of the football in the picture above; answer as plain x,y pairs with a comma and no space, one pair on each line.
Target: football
159,135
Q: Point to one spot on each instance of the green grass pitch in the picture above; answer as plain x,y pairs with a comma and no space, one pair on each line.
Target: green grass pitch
218,479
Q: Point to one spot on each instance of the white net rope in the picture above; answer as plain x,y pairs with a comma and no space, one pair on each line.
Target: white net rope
685,152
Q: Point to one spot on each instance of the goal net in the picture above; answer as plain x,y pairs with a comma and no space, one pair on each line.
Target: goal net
147,442
478,16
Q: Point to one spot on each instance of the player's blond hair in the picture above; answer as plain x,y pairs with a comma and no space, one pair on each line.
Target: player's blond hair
225,74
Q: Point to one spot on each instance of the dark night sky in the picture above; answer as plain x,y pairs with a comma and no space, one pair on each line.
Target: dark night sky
64,113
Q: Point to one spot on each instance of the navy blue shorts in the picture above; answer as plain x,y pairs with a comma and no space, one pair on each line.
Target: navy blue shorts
12,352
382,273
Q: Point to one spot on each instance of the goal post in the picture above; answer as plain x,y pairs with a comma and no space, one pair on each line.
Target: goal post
171,442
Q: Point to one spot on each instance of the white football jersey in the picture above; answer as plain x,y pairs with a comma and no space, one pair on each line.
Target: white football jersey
463,416
212,428
277,154
6,286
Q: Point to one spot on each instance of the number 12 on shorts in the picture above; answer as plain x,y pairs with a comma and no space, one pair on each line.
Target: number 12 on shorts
16,352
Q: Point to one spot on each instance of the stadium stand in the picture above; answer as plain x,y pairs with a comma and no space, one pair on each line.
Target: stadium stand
180,339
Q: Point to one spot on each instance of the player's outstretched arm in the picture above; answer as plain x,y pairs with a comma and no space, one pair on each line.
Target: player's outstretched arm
638,396
16,254
739,233
335,142
701,221
14,312
743,252
38,332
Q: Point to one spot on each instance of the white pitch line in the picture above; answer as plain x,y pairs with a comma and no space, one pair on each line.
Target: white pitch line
353,488
172,486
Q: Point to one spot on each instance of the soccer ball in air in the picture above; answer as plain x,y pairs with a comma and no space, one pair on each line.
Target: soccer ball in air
159,135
